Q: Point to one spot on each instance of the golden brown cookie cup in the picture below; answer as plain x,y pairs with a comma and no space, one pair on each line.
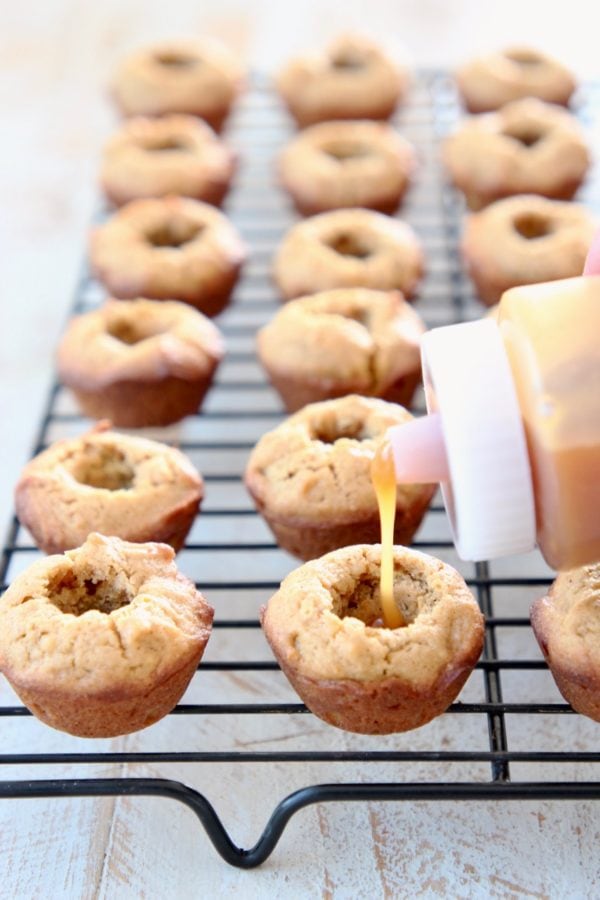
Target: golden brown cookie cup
339,342
140,363
104,640
337,165
195,77
324,628
352,79
566,624
169,248
490,82
310,477
171,155
525,240
348,248
114,484
527,147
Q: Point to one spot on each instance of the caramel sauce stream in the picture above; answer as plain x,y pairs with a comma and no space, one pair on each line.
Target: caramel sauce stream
384,482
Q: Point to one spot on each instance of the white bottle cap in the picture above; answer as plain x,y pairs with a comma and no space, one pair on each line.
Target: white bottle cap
489,495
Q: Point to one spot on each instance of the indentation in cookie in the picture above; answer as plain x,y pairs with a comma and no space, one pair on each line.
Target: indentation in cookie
173,59
362,316
329,428
348,243
347,58
345,150
103,466
524,57
175,233
74,593
532,226
527,134
359,596
127,330
160,144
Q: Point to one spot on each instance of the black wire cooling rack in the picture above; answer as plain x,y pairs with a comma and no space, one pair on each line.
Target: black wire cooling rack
510,737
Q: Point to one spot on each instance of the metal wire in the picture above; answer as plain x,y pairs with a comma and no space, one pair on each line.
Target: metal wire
239,409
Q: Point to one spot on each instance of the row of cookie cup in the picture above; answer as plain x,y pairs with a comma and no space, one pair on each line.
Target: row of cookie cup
353,78
139,362
527,147
309,478
525,239
169,248
327,166
104,640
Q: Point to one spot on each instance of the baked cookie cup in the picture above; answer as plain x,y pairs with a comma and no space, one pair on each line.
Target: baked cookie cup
324,627
527,147
493,80
348,248
140,363
169,248
345,341
351,79
116,484
566,624
335,165
198,77
171,155
104,640
310,477
525,239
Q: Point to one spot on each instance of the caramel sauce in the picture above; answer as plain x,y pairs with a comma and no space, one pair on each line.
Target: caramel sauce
550,332
384,482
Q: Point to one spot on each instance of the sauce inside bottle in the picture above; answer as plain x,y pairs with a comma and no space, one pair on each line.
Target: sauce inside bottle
551,336
384,482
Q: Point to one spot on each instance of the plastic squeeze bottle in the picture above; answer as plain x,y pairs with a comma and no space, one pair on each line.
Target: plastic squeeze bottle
513,431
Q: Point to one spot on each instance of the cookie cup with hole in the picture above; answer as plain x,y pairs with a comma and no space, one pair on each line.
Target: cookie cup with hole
310,477
324,627
527,147
139,362
491,81
335,165
104,640
169,248
352,79
171,155
345,341
115,484
566,624
348,248
198,77
525,240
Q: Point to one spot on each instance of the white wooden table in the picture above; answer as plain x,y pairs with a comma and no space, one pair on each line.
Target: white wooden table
55,60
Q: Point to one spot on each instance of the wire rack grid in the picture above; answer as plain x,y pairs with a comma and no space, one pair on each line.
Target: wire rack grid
510,720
